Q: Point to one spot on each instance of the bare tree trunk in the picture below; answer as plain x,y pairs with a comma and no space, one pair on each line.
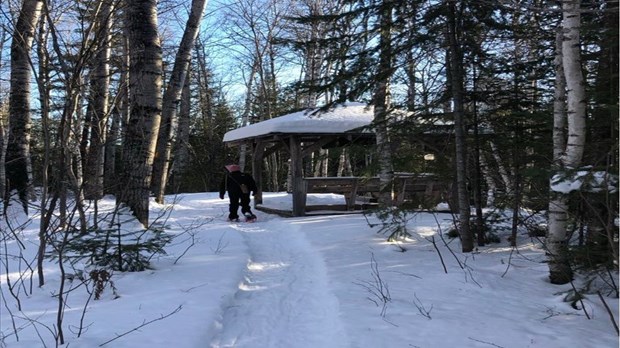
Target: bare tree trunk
344,164
120,121
172,97
113,135
98,105
456,82
480,233
145,77
181,154
3,128
506,180
410,71
566,154
18,168
43,84
247,109
575,85
381,101
3,146
491,186
313,55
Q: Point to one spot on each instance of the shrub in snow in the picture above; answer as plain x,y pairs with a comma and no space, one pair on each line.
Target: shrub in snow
125,247
393,222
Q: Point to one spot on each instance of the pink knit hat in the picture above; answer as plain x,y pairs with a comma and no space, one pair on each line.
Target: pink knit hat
233,168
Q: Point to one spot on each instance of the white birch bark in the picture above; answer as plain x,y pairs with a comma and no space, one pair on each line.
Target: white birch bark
501,168
18,167
98,105
567,153
181,148
491,186
3,126
145,82
341,162
171,100
575,85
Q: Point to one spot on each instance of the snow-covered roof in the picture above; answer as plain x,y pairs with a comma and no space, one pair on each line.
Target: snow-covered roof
339,119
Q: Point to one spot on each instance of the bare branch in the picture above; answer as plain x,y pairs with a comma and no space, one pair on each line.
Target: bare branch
162,317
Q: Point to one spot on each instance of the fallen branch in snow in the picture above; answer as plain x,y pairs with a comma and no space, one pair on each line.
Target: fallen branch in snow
420,306
406,274
552,313
489,343
142,325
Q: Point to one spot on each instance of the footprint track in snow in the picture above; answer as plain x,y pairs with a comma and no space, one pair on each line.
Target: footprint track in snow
284,299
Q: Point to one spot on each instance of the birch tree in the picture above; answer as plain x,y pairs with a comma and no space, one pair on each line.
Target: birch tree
98,103
145,82
18,165
181,147
567,151
3,119
172,98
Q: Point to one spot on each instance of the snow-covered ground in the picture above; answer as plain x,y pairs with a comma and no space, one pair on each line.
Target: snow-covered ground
308,282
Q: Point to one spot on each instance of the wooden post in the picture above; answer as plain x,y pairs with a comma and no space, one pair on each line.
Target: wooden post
299,194
353,195
257,171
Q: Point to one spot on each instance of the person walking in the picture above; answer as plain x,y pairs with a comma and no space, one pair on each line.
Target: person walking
239,185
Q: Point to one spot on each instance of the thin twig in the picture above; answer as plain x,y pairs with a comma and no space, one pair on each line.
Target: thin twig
193,238
509,261
611,314
220,245
579,298
489,343
445,243
420,306
90,296
445,269
142,325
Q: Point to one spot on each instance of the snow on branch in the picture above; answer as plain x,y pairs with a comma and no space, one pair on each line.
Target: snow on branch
585,180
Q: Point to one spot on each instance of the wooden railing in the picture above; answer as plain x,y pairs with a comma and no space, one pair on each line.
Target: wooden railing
420,190
350,187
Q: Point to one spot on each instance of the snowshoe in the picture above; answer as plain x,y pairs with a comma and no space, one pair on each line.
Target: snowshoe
250,217
233,220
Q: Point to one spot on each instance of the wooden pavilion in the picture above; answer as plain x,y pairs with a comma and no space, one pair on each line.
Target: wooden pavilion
304,132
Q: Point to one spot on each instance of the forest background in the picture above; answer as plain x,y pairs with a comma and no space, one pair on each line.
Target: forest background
132,98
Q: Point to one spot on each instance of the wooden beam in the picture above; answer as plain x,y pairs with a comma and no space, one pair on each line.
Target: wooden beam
257,171
317,145
272,149
299,192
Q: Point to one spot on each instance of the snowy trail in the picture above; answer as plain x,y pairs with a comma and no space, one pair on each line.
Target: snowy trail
284,299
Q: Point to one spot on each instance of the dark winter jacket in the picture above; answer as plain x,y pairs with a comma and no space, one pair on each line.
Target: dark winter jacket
232,183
